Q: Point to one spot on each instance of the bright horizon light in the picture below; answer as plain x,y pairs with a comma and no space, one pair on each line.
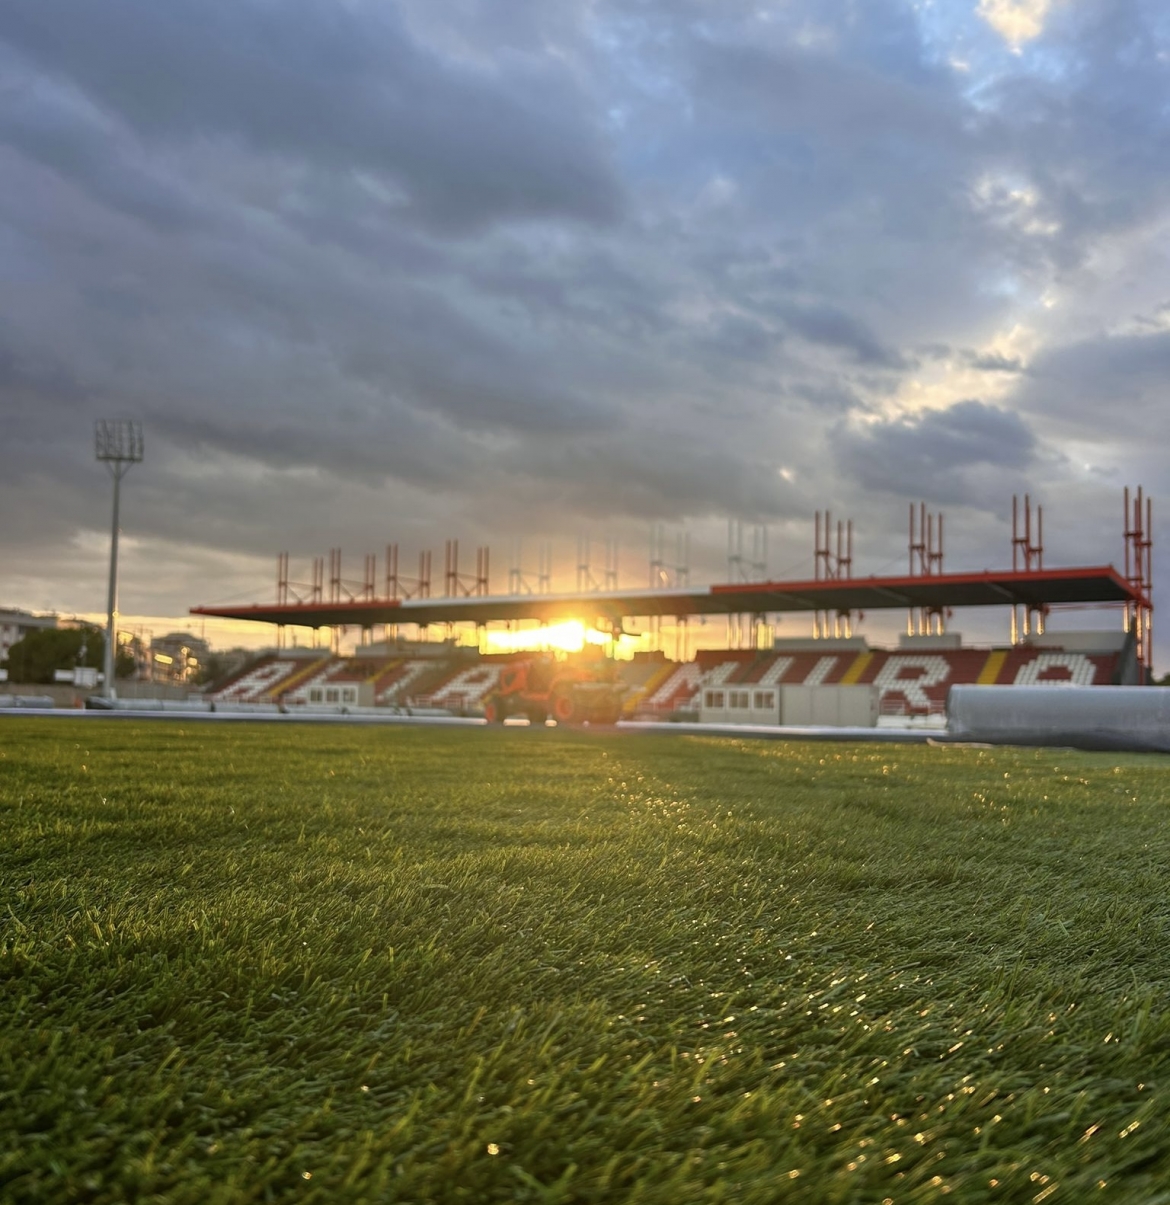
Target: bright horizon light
570,636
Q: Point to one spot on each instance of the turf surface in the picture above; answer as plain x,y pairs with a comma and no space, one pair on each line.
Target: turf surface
254,963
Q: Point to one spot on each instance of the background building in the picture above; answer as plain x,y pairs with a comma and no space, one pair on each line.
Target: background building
178,658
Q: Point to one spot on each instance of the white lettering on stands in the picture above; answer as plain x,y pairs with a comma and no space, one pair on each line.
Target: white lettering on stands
935,670
1081,671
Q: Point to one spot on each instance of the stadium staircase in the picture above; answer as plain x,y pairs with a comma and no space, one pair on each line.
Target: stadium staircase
255,683
643,679
393,687
227,686
289,684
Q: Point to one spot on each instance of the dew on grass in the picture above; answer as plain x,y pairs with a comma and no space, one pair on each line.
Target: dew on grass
457,955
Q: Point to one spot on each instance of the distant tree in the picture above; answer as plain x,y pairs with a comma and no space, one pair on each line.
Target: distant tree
40,654
214,668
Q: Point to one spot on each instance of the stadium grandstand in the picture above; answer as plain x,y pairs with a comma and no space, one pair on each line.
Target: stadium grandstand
907,684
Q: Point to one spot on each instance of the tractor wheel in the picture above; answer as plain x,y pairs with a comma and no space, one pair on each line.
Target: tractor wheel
494,711
536,715
564,708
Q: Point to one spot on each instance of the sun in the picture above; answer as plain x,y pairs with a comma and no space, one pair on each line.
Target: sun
570,636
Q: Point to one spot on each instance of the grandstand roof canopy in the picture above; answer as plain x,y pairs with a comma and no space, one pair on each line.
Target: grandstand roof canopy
1034,588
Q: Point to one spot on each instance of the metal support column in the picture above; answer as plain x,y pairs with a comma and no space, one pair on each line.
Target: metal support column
118,445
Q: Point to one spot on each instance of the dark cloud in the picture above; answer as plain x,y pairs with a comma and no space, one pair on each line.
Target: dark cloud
656,477
1107,390
59,131
936,454
408,269
994,362
342,86
834,328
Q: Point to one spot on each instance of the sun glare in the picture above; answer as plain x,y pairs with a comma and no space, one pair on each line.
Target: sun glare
571,636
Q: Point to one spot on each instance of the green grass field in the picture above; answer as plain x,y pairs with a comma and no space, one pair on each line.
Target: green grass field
269,963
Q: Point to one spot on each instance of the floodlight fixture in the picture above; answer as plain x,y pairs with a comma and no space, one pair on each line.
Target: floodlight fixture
118,444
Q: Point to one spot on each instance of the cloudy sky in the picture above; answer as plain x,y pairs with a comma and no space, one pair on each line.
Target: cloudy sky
374,270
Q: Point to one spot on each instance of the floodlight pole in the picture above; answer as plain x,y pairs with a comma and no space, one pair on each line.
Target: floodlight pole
118,445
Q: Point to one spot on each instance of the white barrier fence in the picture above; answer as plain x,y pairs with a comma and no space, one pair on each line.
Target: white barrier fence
1103,717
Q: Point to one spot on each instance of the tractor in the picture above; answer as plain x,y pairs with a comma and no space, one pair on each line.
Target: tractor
539,687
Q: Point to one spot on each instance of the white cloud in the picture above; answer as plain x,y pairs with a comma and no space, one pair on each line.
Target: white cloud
1016,21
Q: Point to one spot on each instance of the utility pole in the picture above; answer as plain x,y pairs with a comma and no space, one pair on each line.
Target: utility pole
118,445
